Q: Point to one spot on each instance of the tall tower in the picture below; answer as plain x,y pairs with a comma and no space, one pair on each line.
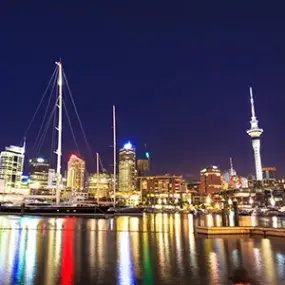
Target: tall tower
127,168
255,132
75,173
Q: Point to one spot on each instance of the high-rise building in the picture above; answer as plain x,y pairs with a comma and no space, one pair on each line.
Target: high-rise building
127,168
255,132
38,171
210,180
11,167
75,173
269,173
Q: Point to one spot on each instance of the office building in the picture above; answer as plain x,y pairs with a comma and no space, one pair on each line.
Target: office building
38,171
269,173
75,173
99,185
164,190
11,168
210,180
142,167
127,168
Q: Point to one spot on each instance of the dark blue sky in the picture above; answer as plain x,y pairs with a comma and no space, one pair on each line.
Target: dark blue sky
177,72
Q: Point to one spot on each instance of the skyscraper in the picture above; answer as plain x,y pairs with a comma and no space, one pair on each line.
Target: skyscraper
255,132
127,168
38,171
75,173
11,167
210,180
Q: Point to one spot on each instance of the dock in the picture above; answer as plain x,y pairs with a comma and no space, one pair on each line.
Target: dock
82,212
210,231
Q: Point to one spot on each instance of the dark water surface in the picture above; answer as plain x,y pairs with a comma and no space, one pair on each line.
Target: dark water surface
154,249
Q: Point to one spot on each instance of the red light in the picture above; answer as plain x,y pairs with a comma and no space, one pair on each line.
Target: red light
73,156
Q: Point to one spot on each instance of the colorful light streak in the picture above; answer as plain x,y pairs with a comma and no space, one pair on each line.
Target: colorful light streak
125,266
66,275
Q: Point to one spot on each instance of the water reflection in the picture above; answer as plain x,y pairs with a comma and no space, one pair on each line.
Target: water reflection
154,249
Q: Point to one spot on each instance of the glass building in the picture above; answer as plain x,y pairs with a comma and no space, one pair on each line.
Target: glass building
11,168
39,172
127,168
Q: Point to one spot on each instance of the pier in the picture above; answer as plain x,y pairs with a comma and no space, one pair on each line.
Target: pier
211,231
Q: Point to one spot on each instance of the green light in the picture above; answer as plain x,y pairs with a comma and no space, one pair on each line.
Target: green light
147,155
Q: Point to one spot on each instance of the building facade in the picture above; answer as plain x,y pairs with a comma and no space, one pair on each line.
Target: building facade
269,173
143,167
75,173
127,168
99,185
11,168
210,180
39,172
163,190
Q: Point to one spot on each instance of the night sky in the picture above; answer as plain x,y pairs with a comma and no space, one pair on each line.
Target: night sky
177,72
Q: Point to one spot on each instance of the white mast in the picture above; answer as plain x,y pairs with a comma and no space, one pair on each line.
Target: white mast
97,186
59,129
114,153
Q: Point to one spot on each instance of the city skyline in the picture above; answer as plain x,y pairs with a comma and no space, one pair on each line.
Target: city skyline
182,92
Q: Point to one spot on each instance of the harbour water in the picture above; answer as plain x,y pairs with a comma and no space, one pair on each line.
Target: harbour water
153,249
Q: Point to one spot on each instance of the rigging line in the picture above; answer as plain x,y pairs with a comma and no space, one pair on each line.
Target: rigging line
41,101
78,118
45,114
37,150
35,146
70,126
101,164
45,130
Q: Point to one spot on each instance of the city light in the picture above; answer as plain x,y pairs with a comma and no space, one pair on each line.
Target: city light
128,146
147,155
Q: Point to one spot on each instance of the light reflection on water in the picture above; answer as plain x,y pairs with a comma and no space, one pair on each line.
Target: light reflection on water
154,249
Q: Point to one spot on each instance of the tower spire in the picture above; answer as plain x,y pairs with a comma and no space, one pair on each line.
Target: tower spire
252,105
232,168
253,121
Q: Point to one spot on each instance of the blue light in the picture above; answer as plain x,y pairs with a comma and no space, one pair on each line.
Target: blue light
128,146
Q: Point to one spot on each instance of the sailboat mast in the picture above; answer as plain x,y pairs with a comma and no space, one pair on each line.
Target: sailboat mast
59,129
114,154
97,186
